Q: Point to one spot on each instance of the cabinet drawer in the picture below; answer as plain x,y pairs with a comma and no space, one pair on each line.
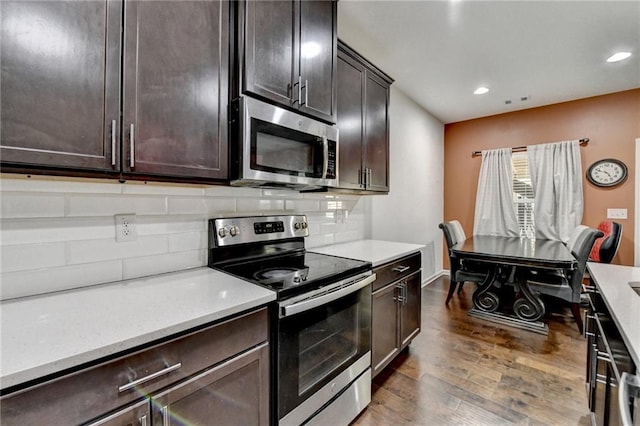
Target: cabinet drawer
84,395
395,270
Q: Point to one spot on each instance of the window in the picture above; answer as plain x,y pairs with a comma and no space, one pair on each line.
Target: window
523,198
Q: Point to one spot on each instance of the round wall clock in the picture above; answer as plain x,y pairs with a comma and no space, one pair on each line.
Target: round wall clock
607,172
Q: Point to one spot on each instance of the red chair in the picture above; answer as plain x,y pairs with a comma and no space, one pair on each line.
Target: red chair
606,247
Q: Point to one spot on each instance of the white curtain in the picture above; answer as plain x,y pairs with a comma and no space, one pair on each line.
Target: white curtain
556,177
494,200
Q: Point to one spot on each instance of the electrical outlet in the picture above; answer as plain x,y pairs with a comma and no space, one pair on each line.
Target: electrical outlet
616,213
125,228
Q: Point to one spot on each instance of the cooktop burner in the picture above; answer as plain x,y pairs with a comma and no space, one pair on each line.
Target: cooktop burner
295,273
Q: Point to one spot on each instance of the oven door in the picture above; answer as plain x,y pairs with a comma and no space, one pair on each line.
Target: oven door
321,337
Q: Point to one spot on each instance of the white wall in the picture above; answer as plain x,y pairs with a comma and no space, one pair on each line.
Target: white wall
414,207
58,233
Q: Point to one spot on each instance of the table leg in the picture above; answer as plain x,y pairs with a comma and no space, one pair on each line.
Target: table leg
529,307
484,299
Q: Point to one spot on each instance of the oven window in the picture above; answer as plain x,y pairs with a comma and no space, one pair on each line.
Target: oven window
281,150
317,345
325,345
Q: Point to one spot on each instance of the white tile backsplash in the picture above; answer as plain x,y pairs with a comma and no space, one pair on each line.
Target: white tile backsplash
152,265
47,280
89,205
57,233
32,256
109,249
16,205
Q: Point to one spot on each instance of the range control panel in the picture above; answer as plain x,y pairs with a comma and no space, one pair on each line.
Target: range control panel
239,230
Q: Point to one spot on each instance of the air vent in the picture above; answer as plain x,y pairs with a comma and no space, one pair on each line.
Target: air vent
508,102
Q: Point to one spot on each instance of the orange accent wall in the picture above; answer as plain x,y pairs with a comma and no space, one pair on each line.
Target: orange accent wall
611,122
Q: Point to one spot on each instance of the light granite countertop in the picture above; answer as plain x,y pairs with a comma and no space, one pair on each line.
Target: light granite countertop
49,333
377,252
622,301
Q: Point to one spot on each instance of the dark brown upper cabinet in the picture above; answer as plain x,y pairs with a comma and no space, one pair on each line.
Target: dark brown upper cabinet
60,84
175,93
287,52
65,66
363,122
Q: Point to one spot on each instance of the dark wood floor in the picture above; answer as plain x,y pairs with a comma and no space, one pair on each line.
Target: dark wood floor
465,371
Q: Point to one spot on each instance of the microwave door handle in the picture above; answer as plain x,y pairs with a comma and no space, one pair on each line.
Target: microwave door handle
325,166
630,386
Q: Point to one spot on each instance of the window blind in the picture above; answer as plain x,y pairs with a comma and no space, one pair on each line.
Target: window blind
523,197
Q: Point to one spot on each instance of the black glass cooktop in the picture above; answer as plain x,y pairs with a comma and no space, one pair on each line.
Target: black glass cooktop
295,273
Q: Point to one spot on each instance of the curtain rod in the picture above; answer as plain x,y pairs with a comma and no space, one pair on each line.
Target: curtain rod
582,141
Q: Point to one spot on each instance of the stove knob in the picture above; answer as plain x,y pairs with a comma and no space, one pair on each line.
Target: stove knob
222,232
296,279
234,230
297,225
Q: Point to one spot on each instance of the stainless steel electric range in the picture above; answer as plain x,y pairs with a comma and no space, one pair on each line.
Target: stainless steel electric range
320,323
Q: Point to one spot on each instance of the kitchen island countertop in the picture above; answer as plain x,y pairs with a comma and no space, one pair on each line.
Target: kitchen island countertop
49,333
623,303
377,252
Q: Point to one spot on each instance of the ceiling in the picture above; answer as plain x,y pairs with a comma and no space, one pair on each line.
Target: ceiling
439,52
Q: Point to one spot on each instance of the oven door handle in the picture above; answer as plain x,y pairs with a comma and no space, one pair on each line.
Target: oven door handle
305,305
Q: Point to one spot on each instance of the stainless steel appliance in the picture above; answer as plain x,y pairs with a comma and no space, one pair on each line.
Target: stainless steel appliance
274,147
629,399
320,323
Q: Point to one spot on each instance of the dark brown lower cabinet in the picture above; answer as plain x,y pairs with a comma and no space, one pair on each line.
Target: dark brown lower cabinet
218,374
396,306
607,359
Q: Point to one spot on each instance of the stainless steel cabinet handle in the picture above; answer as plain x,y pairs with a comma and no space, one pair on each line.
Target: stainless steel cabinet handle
306,92
152,376
113,142
401,268
299,90
143,421
165,415
629,387
132,160
369,177
400,288
363,182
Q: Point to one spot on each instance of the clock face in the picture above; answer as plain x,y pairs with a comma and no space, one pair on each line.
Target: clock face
607,172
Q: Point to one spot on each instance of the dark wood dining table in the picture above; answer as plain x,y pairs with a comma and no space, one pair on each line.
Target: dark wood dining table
505,259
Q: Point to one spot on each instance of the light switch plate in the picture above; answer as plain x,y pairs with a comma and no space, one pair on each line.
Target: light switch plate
616,213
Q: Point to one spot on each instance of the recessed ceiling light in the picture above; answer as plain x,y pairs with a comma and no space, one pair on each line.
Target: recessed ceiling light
480,91
618,56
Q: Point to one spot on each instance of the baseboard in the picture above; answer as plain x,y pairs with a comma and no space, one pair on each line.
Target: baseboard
432,278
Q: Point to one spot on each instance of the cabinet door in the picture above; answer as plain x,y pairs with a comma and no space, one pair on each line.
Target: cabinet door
384,327
134,415
269,50
410,310
60,83
318,45
235,392
350,115
176,88
376,132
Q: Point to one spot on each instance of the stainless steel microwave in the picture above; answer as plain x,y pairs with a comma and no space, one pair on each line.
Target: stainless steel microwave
276,148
